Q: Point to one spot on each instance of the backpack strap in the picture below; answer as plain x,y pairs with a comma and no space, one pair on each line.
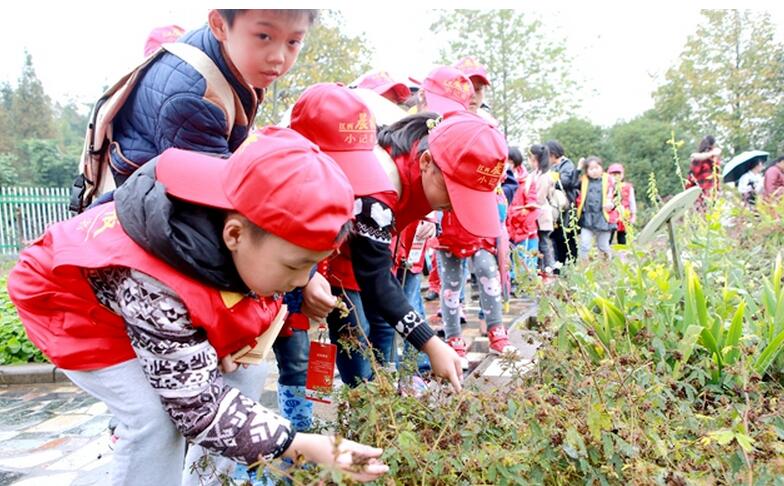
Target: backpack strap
218,90
95,178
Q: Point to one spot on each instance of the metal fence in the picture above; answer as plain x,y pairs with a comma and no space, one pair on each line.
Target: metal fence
25,212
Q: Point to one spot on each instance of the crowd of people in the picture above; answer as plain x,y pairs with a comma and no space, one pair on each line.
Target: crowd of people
145,298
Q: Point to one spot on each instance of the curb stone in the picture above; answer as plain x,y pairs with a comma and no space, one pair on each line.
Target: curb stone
29,373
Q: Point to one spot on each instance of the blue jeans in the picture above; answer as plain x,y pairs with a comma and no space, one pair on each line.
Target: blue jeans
353,365
526,255
291,353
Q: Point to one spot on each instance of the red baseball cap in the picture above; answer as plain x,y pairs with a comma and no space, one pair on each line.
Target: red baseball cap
471,68
383,84
277,179
162,35
471,154
341,124
615,169
446,89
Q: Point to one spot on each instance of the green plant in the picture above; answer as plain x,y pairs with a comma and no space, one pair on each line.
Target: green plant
15,347
772,326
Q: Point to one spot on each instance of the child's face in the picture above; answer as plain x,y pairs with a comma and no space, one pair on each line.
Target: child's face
268,264
262,44
532,162
594,170
479,95
618,176
433,183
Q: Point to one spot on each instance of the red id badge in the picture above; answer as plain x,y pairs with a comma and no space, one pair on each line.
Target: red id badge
321,371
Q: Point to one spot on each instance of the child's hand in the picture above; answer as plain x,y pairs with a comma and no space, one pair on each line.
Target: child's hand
426,231
228,365
359,461
317,298
444,361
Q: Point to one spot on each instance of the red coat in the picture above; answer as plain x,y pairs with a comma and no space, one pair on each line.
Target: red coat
521,221
627,205
64,319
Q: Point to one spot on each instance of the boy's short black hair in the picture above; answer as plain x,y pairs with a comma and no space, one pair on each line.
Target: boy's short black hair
515,156
230,14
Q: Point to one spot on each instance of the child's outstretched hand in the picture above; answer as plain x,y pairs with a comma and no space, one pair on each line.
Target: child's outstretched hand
358,461
444,361
317,298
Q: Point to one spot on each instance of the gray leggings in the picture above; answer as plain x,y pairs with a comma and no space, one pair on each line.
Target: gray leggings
452,281
150,449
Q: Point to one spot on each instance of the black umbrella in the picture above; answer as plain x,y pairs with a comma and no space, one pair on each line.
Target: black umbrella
742,163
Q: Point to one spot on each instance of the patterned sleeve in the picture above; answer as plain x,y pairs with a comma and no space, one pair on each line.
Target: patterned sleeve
182,367
371,258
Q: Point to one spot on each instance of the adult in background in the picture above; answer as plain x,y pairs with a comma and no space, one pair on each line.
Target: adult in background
704,169
750,184
566,178
774,180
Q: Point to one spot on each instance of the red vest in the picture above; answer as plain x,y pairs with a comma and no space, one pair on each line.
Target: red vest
409,207
458,241
64,319
626,204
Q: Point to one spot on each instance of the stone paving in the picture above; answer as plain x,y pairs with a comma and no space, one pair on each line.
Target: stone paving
55,434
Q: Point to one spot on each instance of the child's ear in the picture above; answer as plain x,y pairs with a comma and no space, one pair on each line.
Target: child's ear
218,25
233,230
425,160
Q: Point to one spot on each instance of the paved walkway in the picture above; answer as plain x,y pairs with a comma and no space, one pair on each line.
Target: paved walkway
56,435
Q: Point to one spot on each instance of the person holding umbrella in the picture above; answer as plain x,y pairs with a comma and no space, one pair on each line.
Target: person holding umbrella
750,184
745,170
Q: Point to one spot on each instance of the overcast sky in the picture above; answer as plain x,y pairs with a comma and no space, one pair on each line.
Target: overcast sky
620,52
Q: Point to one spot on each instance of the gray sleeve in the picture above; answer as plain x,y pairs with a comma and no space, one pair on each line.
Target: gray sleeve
182,367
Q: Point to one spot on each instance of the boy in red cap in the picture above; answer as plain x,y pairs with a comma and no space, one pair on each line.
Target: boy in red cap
174,105
452,164
479,80
142,301
382,83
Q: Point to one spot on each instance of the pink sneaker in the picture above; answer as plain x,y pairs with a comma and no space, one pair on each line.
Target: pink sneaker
499,340
458,344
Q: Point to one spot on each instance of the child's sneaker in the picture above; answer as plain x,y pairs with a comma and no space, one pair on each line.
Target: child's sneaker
463,319
458,344
499,340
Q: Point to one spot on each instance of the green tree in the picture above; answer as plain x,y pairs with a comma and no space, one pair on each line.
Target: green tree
8,175
528,67
31,109
728,80
579,137
6,138
329,55
48,165
71,122
641,146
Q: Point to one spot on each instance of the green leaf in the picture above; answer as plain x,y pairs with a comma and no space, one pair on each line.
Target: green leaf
734,334
686,347
407,440
723,436
768,355
598,420
744,441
